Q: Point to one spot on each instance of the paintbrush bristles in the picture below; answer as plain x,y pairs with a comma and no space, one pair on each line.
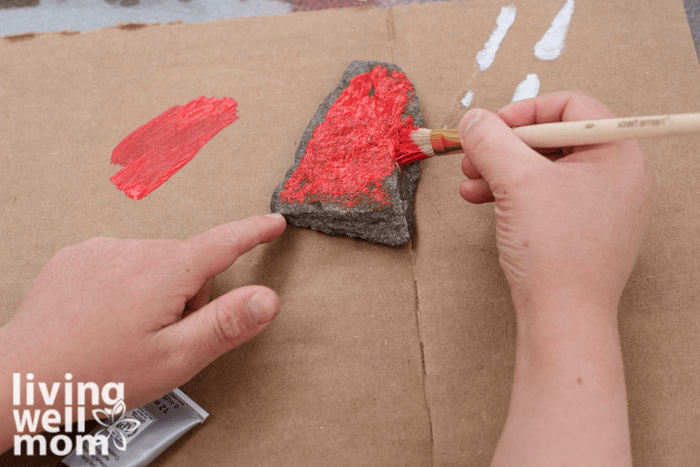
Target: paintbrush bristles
421,138
414,146
421,143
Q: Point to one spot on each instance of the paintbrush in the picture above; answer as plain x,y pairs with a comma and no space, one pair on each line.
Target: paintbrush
422,143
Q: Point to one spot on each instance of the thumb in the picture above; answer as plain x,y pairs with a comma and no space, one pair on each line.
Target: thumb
494,150
221,325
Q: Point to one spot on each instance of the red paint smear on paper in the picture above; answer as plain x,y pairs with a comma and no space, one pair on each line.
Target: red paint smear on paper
155,151
352,151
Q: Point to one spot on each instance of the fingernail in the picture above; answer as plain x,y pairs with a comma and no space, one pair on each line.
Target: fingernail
275,215
262,307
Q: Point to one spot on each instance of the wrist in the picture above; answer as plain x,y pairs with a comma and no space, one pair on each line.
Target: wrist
7,424
20,363
568,399
568,339
547,306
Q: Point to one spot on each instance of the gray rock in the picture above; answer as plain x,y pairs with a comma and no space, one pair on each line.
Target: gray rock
390,223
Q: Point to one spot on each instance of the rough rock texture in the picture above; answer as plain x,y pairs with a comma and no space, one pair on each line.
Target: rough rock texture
378,212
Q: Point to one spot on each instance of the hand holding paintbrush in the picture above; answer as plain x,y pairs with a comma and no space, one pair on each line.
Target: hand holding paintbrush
422,143
567,234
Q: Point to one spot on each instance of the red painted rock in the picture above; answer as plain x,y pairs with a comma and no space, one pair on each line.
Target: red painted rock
344,180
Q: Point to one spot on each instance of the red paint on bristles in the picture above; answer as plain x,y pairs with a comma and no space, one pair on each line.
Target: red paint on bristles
408,152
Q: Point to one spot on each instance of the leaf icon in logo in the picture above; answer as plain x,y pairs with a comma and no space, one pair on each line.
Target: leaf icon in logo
110,414
116,425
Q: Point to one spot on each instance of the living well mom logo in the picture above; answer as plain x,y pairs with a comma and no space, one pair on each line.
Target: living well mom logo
33,423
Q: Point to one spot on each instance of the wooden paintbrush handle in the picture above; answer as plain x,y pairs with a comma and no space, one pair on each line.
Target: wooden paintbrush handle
554,135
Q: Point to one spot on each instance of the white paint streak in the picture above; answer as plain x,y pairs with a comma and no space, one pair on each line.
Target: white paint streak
486,56
552,43
468,99
528,88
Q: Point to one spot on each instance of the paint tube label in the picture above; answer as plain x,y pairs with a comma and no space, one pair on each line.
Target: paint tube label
141,434
145,419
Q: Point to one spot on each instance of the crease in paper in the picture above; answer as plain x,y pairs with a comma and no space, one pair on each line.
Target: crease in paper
421,342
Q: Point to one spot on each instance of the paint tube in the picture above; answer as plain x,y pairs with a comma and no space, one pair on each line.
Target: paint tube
131,444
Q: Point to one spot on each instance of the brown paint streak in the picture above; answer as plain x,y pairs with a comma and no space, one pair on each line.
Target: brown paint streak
306,5
17,3
20,37
31,35
132,26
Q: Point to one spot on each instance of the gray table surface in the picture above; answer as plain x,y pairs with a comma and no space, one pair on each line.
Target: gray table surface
26,16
